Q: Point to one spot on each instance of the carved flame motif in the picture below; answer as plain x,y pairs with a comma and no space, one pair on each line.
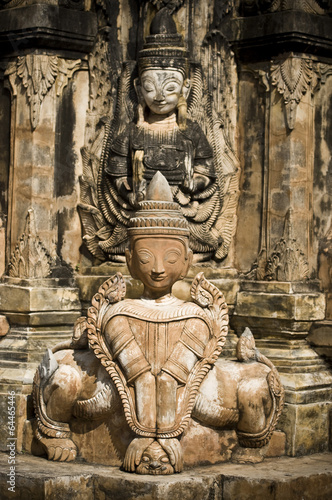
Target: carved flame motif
293,77
30,259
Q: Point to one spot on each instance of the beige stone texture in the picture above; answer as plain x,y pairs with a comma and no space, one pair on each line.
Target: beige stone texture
305,478
4,326
297,306
306,427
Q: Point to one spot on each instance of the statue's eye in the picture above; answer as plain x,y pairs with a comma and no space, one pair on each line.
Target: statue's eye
145,459
170,88
164,460
172,257
144,257
148,87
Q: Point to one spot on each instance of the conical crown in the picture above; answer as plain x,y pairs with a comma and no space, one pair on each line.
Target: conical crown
164,47
158,214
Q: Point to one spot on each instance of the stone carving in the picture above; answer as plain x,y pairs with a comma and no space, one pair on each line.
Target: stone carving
38,73
154,362
30,259
250,7
69,4
175,131
293,77
286,263
171,5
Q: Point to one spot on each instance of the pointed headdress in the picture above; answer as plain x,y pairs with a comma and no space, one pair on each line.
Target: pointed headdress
158,214
164,47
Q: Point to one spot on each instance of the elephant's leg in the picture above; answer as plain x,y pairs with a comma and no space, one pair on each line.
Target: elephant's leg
255,406
61,393
57,399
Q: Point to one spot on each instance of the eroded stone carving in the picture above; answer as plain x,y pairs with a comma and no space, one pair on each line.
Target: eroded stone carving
250,7
37,73
30,258
293,77
176,131
154,362
287,262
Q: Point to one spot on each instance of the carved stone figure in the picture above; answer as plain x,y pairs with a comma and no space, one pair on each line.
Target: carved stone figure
160,128
154,361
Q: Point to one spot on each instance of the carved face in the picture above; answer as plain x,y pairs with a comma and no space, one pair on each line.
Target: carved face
154,461
161,90
158,262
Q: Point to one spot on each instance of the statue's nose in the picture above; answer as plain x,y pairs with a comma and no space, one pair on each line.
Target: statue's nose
159,96
158,267
154,465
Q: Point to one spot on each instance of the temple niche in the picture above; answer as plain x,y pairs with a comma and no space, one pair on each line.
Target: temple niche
194,134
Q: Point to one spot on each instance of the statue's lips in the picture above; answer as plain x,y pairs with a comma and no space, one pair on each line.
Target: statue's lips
158,278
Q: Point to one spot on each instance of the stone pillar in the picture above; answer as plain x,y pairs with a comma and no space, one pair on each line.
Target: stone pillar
284,61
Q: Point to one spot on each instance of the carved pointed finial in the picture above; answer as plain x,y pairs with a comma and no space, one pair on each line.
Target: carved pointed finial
159,189
163,23
287,262
30,259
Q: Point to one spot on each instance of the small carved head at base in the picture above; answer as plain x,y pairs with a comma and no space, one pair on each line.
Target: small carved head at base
155,461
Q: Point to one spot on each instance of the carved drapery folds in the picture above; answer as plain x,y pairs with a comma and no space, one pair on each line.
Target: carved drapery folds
30,258
38,73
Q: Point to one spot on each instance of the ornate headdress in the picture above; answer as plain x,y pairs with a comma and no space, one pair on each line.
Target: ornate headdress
158,214
164,47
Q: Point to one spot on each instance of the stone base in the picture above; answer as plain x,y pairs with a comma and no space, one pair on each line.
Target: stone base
306,478
101,442
41,314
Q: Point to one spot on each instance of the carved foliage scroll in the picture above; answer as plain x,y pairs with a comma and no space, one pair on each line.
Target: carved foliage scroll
38,74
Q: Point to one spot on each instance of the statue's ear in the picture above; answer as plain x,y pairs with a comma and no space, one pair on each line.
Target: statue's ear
188,264
186,88
129,259
137,85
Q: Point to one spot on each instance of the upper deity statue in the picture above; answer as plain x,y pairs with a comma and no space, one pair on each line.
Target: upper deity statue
150,132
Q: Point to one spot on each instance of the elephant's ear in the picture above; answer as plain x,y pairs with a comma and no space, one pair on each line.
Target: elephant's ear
212,300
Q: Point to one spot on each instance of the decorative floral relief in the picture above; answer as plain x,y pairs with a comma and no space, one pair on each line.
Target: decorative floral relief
37,73
293,77
286,263
30,259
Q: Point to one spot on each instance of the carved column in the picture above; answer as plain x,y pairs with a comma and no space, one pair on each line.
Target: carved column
44,68
283,72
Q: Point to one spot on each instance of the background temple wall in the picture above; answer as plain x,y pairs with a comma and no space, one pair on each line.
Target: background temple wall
59,68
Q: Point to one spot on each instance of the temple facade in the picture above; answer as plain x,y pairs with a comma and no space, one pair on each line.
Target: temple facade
252,146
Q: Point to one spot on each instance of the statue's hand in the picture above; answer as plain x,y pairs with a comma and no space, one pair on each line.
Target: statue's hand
173,449
134,453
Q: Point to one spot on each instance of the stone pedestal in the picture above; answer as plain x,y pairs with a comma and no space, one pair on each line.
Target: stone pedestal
280,315
41,314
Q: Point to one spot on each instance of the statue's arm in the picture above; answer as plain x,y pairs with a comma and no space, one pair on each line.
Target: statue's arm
137,371
187,350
